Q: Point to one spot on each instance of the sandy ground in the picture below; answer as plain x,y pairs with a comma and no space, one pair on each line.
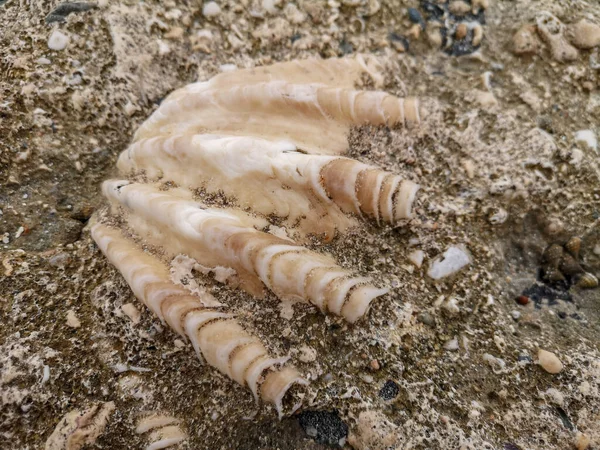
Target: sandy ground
503,174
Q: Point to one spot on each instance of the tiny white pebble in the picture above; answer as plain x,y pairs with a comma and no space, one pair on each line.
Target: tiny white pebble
46,374
588,138
19,232
211,9
44,61
58,41
72,320
515,314
549,362
451,345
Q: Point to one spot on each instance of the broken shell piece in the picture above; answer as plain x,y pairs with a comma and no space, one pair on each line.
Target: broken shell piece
416,257
223,343
276,178
80,428
573,246
552,32
311,103
165,431
226,238
587,138
132,312
452,261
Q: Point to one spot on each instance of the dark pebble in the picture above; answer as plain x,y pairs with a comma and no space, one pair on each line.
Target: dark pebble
522,300
325,427
415,17
60,13
389,391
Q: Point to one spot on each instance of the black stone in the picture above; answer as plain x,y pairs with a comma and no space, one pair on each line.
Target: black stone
60,13
325,427
389,391
415,17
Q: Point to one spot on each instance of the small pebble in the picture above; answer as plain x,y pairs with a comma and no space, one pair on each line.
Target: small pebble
459,7
211,9
426,319
415,17
132,312
522,300
549,362
307,354
374,364
58,41
582,441
416,257
72,320
525,41
451,345
515,315
461,31
554,396
389,390
587,138
584,34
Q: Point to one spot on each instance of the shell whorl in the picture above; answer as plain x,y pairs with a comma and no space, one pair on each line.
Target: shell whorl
216,336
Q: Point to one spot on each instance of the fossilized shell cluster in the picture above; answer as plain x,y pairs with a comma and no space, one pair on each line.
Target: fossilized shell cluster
561,264
270,140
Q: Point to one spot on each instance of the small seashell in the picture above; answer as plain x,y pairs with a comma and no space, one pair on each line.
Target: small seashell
553,274
573,246
549,362
587,281
569,266
553,254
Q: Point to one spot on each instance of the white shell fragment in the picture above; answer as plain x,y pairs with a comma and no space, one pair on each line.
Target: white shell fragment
416,257
588,138
80,428
58,41
549,362
164,431
225,238
452,261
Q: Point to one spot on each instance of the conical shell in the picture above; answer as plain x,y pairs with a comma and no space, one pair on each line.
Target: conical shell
569,266
587,281
552,255
573,246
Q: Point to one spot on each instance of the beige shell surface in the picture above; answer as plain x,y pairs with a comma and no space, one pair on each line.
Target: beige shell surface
269,140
